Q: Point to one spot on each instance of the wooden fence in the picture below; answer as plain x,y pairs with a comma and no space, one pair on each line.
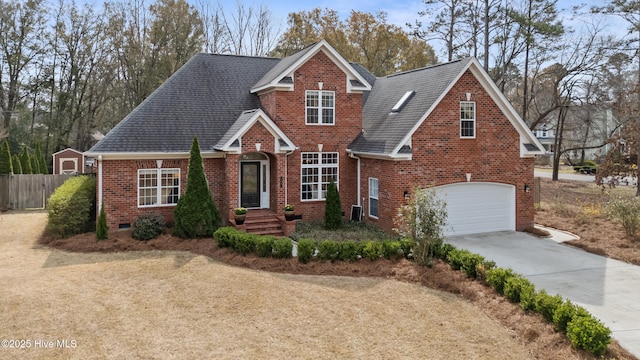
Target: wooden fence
28,191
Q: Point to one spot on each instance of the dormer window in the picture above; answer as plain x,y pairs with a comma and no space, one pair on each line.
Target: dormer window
320,107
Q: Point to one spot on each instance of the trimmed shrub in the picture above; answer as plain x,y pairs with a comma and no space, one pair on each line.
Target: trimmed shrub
406,244
527,295
102,230
516,286
391,249
348,250
306,248
282,248
196,215
465,260
372,250
333,209
264,246
546,304
588,333
71,207
225,236
497,277
565,313
327,250
149,226
245,243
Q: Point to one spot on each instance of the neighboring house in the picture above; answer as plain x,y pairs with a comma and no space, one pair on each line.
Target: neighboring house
546,137
277,131
68,162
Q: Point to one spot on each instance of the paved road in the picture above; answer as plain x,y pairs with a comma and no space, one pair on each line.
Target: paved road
607,288
575,177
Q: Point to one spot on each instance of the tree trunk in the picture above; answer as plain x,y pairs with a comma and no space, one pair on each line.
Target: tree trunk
557,142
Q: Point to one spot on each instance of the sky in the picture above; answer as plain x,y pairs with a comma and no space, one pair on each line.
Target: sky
402,12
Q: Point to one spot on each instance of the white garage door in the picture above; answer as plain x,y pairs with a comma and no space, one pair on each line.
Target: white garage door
478,207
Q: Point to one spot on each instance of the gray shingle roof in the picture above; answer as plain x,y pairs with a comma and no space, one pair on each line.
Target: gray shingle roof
277,70
205,98
383,130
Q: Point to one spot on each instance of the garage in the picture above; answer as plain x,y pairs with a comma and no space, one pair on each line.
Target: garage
475,207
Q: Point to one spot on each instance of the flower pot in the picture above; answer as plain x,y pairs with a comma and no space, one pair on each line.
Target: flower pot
240,219
289,215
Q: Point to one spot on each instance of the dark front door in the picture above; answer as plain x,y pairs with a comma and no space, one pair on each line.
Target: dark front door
250,184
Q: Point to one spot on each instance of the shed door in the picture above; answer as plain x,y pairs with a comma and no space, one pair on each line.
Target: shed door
478,207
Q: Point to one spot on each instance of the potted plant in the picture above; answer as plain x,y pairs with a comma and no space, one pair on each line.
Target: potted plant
240,215
289,212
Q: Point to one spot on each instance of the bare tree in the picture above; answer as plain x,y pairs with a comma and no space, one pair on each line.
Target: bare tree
21,27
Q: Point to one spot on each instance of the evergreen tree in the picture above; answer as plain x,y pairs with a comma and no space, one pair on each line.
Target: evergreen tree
102,230
42,161
17,167
34,163
6,165
25,161
333,209
196,215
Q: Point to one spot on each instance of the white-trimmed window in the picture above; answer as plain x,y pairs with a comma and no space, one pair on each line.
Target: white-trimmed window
158,187
317,171
467,119
373,197
320,107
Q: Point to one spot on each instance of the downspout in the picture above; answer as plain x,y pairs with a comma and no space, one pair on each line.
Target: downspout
99,182
358,176
286,176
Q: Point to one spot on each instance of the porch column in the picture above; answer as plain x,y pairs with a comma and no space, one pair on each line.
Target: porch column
232,162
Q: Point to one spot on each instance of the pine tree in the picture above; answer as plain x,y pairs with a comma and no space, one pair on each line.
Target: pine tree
25,161
196,215
17,167
42,161
6,165
102,230
333,209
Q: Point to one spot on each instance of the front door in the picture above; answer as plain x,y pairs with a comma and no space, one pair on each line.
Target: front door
250,184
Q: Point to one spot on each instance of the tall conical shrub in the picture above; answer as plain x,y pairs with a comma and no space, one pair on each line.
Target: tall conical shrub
102,229
6,166
17,167
333,209
25,161
196,215
41,160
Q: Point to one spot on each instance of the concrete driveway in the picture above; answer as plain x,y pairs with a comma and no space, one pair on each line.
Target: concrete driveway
608,289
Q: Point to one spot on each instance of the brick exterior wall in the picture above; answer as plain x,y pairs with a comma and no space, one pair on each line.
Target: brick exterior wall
287,110
441,157
120,188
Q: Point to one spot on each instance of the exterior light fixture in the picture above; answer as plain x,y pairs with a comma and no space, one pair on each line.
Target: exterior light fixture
527,188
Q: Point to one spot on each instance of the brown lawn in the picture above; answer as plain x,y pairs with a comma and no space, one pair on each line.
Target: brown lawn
190,299
578,207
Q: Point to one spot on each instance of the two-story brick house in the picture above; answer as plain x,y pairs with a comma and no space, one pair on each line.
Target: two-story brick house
277,131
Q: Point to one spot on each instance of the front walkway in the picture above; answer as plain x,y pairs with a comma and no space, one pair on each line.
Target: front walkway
609,289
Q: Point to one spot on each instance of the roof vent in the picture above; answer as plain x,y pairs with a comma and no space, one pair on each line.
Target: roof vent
403,100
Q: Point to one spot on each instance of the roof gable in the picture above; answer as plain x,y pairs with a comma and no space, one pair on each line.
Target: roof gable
280,76
387,133
231,140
